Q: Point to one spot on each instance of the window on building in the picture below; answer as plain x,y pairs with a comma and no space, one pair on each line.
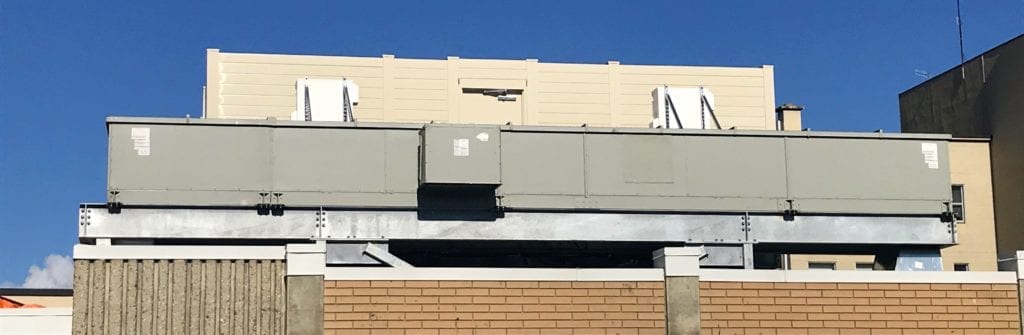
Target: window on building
865,266
961,267
958,203
821,265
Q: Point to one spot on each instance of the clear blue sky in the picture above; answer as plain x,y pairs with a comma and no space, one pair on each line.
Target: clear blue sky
64,66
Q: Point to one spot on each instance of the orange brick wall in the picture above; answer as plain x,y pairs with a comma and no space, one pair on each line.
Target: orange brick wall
831,308
493,307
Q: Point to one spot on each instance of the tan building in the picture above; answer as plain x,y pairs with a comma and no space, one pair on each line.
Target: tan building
258,86
982,98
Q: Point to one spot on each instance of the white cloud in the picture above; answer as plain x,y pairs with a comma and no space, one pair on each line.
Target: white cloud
58,272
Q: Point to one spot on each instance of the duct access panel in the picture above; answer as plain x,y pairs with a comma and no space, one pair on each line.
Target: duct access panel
458,154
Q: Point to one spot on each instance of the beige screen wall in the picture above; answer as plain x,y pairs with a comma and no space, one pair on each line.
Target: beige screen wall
969,165
393,89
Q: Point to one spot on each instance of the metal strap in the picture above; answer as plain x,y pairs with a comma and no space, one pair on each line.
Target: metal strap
309,111
346,108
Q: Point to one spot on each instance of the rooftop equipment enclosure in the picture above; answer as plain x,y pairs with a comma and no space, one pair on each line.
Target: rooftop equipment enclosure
354,165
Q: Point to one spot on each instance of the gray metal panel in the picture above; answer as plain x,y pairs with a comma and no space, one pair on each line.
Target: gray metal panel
402,169
542,163
868,176
743,167
329,160
654,172
642,165
190,158
461,155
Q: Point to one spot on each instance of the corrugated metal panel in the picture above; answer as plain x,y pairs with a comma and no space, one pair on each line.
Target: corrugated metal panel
179,297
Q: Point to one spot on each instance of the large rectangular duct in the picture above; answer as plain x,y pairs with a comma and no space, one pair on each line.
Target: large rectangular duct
188,162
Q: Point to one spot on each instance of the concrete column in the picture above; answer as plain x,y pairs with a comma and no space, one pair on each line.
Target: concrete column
682,288
789,118
306,264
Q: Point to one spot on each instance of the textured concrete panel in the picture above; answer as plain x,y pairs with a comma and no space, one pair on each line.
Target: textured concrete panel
179,297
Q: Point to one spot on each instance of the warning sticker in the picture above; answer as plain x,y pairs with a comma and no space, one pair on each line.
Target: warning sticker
930,151
140,139
461,147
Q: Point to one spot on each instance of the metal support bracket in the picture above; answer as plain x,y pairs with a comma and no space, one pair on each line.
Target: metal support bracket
114,206
270,204
319,223
384,256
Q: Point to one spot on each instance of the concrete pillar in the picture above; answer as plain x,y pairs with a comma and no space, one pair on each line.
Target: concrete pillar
682,288
788,117
304,304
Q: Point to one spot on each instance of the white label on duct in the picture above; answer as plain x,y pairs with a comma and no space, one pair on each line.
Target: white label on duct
930,151
483,137
918,264
461,147
140,139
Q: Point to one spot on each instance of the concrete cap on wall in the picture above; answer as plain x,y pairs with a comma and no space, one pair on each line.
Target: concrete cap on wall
679,261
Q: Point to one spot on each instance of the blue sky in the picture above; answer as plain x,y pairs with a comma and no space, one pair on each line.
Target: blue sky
65,65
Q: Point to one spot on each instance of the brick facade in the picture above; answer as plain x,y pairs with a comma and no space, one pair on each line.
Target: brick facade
493,307
852,308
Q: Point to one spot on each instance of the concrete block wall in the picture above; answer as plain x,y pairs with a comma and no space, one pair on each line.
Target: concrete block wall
493,307
848,308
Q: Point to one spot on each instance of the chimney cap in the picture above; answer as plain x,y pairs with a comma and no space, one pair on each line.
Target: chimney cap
789,107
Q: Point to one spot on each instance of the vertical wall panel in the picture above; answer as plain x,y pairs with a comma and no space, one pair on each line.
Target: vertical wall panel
131,306
178,297
79,323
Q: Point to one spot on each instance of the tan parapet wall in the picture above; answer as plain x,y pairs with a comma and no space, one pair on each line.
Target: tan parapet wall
848,302
258,86
492,307
494,301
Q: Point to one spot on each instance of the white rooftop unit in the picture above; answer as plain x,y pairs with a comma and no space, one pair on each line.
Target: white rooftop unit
325,100
684,108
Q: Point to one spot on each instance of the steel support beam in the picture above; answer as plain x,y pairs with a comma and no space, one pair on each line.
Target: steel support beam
362,226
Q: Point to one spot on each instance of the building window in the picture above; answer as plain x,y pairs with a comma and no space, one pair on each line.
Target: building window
958,203
865,266
821,265
961,267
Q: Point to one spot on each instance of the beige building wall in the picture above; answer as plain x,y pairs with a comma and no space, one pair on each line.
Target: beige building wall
969,165
259,86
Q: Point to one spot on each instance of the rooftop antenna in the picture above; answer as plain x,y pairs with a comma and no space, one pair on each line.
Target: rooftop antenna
960,27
